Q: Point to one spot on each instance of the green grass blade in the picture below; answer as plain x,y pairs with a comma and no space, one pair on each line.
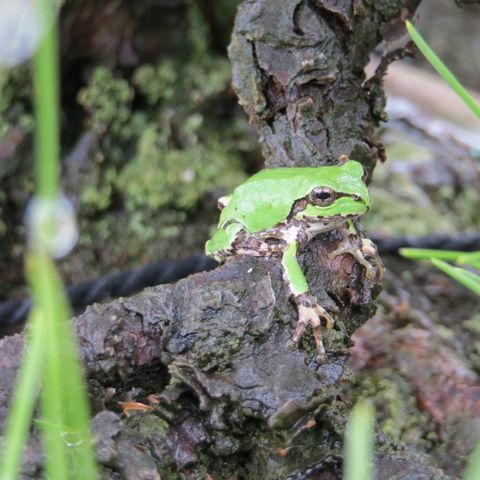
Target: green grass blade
443,70
65,409
466,278
473,263
23,400
46,101
56,455
468,274
472,259
462,258
473,468
425,253
358,461
65,414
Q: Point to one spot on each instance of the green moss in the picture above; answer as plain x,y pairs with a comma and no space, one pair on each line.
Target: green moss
107,100
16,123
473,324
169,473
156,82
14,100
148,424
225,10
218,468
169,142
165,177
397,415
474,357
405,210
198,33
467,205
387,8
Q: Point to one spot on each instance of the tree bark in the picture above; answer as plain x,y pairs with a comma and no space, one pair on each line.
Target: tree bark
298,70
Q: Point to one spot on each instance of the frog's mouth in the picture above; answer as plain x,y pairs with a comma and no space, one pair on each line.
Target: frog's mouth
344,207
317,225
338,219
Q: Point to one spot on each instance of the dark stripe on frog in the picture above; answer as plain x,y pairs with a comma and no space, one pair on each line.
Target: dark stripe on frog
302,203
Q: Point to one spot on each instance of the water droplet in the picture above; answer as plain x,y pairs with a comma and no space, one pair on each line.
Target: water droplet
51,224
20,30
72,439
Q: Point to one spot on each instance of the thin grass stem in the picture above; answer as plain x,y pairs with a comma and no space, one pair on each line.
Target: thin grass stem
443,70
426,253
23,400
466,278
358,463
46,101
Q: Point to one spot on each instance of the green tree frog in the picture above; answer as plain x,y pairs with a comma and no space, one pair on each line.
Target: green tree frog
277,211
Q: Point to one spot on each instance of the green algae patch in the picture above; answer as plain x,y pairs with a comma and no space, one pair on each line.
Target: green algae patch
107,100
396,413
163,177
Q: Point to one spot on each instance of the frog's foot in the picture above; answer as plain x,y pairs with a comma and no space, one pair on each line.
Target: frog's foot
309,312
369,250
360,249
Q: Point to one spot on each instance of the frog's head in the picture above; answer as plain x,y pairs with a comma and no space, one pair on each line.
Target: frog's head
338,192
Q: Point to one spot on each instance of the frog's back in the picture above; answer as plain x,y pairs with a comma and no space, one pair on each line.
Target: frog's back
266,198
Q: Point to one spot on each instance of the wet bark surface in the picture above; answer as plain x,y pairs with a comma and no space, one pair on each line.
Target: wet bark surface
195,378
207,357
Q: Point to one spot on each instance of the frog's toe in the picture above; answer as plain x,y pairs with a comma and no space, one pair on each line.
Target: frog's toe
369,251
292,345
322,313
303,321
321,358
370,271
311,315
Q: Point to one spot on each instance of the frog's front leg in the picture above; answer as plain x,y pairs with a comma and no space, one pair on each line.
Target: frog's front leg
309,312
359,248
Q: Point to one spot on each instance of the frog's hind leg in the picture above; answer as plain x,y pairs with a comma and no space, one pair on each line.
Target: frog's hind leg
309,312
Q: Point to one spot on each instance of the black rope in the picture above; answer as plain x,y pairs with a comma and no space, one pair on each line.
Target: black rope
113,285
14,312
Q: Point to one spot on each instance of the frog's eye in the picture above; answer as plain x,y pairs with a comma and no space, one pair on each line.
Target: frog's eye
322,196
